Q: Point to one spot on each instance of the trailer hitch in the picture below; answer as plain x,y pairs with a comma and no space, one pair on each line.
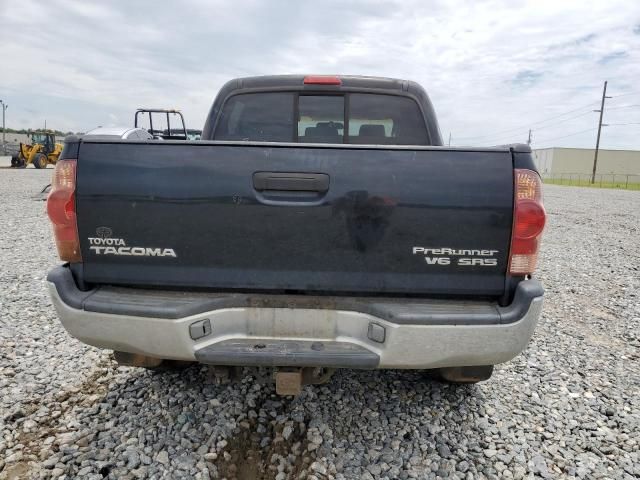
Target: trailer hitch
289,380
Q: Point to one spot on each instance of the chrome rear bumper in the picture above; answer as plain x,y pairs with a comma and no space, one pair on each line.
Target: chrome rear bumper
283,331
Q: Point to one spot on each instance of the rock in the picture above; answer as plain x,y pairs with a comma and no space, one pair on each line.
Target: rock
140,472
540,466
57,472
14,415
68,438
50,462
163,457
444,451
83,441
84,471
29,425
519,472
319,468
287,431
133,459
14,457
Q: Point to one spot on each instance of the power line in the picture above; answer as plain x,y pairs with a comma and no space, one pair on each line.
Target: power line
499,136
569,135
624,106
529,124
524,132
626,94
559,123
600,124
565,120
582,131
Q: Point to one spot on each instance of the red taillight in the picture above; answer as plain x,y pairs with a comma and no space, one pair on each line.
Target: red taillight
322,80
528,222
61,208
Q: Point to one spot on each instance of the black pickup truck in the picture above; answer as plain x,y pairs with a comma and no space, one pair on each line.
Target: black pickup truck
319,223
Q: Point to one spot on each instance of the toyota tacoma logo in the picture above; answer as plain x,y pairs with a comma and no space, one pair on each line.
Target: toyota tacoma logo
104,232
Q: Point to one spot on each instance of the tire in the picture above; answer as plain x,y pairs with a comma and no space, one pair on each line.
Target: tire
473,374
40,161
17,162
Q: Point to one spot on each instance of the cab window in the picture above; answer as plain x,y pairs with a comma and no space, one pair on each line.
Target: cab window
385,119
258,117
321,119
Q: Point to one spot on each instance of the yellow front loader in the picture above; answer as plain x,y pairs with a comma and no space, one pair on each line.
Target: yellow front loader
42,151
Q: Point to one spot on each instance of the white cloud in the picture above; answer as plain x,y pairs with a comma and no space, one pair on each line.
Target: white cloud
489,66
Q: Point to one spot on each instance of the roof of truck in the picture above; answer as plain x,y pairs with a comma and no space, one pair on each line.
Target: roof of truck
357,81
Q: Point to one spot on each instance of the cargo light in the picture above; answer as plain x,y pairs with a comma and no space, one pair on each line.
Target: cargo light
528,222
61,208
322,80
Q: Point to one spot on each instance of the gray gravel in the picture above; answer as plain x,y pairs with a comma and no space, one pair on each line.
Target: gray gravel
568,407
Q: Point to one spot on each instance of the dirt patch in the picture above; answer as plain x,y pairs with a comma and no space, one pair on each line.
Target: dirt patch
245,459
16,471
248,456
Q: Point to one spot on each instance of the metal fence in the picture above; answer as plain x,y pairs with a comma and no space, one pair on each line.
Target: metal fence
602,180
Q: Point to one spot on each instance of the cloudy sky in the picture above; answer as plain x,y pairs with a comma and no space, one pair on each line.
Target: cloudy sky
493,69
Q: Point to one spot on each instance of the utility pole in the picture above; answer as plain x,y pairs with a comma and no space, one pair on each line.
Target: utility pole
595,156
449,138
529,139
4,143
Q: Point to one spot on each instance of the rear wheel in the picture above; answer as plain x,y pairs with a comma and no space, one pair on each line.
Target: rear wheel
473,374
17,162
40,161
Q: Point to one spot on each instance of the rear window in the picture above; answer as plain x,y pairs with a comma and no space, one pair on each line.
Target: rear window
385,119
321,119
258,117
374,119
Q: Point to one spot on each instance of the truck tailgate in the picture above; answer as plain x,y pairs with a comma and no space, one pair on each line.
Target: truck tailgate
222,215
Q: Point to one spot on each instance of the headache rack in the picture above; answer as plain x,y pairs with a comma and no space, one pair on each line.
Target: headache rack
169,133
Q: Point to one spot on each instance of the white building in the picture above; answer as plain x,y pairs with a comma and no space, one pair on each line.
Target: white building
553,161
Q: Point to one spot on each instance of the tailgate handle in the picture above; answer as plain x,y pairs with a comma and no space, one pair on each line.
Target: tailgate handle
291,182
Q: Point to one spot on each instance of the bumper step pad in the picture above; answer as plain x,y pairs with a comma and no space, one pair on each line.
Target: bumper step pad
257,352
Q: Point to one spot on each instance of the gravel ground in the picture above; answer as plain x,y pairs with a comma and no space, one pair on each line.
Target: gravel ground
569,406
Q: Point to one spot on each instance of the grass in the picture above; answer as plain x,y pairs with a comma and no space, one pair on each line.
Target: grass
622,185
